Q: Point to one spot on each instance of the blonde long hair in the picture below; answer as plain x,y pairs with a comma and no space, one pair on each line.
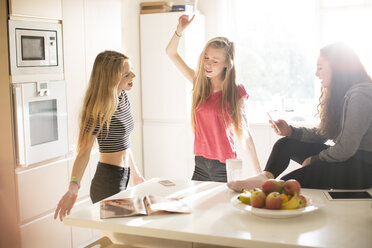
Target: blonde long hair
347,70
203,89
101,99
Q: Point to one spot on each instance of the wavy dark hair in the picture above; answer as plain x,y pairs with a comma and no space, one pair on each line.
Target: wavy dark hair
347,70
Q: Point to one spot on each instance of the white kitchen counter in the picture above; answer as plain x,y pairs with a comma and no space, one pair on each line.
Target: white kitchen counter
214,221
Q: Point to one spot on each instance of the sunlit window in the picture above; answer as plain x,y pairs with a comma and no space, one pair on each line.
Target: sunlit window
348,21
278,43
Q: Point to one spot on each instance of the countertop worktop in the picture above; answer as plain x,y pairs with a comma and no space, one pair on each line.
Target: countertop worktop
215,221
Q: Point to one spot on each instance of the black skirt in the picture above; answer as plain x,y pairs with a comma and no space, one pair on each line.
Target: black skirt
108,180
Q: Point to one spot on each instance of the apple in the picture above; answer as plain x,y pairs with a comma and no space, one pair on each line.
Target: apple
273,200
258,199
302,201
291,187
273,185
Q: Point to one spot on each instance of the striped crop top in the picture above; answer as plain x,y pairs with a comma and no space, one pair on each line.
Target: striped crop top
121,125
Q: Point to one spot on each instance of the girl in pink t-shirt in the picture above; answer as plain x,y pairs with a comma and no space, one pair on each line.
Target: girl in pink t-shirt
217,106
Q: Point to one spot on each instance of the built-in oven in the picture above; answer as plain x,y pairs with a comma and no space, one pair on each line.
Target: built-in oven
40,118
35,51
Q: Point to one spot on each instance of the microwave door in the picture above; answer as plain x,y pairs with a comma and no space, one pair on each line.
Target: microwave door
31,48
19,125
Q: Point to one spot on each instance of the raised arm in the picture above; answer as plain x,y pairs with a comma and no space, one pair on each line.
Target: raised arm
69,198
172,48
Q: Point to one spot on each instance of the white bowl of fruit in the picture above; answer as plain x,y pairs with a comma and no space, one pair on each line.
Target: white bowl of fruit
276,199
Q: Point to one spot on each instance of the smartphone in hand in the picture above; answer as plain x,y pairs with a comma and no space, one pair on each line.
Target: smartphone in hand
276,126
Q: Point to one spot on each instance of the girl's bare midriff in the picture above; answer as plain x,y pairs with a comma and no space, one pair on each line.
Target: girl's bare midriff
120,158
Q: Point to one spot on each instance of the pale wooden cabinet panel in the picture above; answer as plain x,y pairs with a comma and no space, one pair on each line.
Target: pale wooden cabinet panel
168,150
166,96
39,189
51,9
46,233
74,63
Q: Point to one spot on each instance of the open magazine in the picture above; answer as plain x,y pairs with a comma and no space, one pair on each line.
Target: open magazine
146,205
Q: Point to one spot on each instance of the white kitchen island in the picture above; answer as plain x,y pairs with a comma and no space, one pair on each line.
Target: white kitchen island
215,222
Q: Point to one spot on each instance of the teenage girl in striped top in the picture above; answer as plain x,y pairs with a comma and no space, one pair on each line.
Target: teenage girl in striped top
105,117
217,106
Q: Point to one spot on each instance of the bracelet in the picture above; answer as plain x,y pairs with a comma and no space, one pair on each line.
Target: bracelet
75,182
177,34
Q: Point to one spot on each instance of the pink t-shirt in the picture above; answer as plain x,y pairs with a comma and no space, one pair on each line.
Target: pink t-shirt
214,139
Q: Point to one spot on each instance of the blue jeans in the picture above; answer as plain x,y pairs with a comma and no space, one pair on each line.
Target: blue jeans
209,170
108,180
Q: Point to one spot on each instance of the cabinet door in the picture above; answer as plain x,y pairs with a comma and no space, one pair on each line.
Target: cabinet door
46,232
51,9
168,150
40,189
74,63
166,94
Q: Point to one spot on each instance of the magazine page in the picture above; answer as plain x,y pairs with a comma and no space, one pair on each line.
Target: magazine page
156,204
122,207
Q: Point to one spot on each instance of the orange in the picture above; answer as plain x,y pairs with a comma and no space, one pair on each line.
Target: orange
285,198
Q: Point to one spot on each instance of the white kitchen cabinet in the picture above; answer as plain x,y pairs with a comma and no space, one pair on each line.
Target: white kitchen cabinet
168,150
45,232
166,95
50,9
40,188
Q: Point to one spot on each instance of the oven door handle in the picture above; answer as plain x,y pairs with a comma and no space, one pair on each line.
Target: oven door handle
19,120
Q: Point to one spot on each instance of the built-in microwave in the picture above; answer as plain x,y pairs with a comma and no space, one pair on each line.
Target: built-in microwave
35,50
40,117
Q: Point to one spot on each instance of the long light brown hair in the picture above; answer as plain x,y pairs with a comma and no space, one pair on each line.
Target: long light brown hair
347,70
203,88
101,97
